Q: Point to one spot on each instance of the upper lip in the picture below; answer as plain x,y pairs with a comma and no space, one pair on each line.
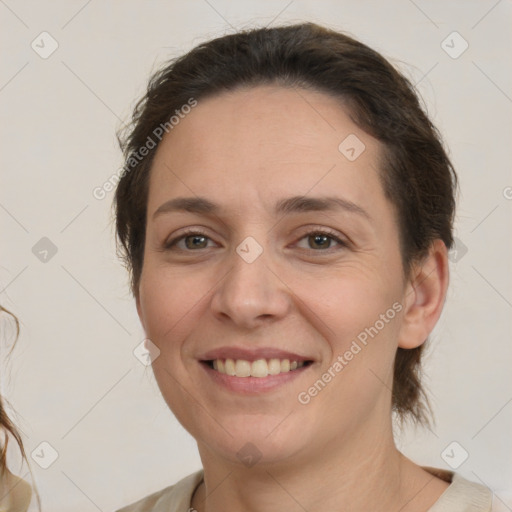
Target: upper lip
251,354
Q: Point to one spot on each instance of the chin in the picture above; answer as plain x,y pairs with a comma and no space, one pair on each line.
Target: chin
257,441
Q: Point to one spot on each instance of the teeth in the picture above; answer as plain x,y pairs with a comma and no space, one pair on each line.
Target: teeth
258,368
229,367
242,368
274,367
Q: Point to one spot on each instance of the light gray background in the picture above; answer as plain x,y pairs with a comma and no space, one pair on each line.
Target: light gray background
73,378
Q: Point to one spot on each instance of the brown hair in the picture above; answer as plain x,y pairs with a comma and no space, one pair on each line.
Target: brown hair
6,425
417,175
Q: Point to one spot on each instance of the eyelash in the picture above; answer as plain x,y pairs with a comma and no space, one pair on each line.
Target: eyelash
168,246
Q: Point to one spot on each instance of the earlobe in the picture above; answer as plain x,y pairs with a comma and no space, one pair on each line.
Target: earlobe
424,296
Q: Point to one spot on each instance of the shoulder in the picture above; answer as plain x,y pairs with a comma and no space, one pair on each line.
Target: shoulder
15,493
461,495
170,499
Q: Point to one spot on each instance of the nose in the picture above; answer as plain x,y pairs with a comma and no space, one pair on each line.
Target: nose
251,294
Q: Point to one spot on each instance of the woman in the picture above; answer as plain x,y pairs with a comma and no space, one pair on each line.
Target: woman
285,211
15,493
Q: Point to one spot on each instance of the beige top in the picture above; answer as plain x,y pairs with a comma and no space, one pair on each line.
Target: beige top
15,493
461,496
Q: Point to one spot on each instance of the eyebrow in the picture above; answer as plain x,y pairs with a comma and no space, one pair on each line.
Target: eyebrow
295,204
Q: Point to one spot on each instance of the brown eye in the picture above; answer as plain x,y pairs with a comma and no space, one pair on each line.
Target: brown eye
319,241
192,241
195,241
322,241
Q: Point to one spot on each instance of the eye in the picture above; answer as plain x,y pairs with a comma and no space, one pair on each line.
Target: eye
320,240
192,240
317,240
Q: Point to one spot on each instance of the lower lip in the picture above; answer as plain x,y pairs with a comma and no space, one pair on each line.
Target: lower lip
253,385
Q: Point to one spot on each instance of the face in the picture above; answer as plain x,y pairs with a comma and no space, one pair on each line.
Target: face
246,284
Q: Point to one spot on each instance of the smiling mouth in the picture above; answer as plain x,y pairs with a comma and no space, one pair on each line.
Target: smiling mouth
258,368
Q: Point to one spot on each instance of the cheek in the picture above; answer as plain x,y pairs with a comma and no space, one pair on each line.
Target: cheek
168,303
350,303
360,322
359,315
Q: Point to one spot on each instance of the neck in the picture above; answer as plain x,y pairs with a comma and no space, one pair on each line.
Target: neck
366,472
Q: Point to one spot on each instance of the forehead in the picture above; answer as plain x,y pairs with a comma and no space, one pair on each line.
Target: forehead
258,144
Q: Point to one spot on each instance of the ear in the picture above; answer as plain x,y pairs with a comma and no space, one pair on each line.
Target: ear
424,297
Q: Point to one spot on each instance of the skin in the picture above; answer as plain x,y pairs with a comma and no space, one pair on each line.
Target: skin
245,150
